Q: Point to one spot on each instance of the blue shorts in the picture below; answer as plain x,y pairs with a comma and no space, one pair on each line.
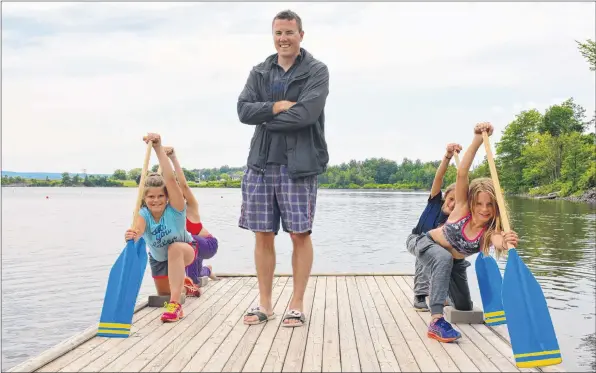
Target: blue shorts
270,197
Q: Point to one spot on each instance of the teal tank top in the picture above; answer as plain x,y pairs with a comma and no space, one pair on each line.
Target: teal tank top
161,234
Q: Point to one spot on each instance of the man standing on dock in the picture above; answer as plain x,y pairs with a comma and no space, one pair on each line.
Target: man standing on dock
284,98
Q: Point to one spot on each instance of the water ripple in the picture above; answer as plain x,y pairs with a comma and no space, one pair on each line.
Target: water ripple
64,264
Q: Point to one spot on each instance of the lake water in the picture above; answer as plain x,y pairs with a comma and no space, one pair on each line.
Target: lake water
57,253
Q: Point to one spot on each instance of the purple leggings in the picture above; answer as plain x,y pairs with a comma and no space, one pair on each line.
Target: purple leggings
206,248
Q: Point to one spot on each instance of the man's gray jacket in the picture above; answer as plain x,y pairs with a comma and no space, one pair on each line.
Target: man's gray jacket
303,125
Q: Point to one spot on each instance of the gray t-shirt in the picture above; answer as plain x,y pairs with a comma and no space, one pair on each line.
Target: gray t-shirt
279,81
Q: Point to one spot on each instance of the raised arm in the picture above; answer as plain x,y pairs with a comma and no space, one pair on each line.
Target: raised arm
174,192
462,182
191,201
440,174
306,111
251,108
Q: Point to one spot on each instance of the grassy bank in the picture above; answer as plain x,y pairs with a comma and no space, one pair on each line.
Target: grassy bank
112,183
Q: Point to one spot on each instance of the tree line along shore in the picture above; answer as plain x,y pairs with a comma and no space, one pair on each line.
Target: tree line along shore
542,155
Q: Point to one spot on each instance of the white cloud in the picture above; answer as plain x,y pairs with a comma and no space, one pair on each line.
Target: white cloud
82,82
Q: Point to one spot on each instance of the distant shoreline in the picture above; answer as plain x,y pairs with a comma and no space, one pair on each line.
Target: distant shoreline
202,185
588,196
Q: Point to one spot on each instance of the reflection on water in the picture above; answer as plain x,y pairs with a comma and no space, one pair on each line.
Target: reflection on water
59,260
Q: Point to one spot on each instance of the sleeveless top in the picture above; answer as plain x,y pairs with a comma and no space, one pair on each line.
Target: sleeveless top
194,228
454,233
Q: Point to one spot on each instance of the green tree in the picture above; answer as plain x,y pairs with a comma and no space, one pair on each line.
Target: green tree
540,160
189,175
154,168
66,180
119,174
509,150
588,50
134,173
76,179
577,161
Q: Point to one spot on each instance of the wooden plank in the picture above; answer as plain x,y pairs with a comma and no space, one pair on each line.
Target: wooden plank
402,351
438,353
364,344
347,339
499,345
109,344
423,357
295,355
159,354
313,352
215,342
226,348
277,353
112,343
500,361
331,356
117,358
245,344
91,344
200,330
385,354
61,348
467,356
258,355
488,334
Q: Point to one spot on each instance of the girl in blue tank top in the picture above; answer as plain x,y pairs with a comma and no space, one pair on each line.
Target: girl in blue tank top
472,226
162,223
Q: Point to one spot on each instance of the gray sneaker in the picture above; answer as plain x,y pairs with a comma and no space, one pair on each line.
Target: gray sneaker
420,303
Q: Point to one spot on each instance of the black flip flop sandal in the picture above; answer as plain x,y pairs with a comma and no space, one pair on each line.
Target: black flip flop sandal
293,315
263,317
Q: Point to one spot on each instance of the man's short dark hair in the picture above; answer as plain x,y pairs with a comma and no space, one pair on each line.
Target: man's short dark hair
288,15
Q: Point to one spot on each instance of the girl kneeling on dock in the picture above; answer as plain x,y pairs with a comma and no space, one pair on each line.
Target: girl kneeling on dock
205,245
472,226
436,212
161,222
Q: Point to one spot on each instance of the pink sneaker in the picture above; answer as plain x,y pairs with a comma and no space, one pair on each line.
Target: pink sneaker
173,312
192,290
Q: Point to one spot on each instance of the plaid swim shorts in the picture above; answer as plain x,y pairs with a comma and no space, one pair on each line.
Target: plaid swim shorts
269,197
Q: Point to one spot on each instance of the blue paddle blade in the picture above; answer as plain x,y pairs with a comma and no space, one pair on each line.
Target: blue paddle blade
490,284
530,327
122,291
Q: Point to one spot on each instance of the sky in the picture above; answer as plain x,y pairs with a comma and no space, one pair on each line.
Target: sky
83,82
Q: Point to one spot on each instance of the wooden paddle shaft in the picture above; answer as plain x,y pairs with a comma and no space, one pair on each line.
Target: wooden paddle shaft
456,157
495,177
142,182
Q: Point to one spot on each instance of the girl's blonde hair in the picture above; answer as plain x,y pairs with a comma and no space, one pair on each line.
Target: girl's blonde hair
154,180
485,184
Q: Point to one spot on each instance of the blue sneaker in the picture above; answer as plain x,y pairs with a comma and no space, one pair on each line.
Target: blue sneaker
442,331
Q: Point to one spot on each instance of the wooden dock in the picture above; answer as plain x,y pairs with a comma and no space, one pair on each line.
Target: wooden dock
355,323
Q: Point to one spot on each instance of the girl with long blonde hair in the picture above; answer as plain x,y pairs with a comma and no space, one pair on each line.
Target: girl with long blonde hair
472,226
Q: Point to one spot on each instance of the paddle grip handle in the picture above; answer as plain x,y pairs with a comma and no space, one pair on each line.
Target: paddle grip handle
456,157
142,183
495,177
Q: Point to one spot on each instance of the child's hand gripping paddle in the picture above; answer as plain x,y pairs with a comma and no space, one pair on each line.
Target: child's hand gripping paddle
530,327
125,278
